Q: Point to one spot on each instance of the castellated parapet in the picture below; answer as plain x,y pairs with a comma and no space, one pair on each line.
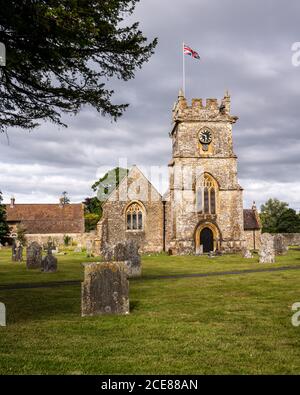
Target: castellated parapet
206,110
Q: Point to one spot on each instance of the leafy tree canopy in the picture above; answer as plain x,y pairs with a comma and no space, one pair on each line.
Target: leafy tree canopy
104,186
60,52
289,222
65,198
277,217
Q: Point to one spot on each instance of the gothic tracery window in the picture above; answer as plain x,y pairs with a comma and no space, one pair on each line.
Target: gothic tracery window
134,217
206,195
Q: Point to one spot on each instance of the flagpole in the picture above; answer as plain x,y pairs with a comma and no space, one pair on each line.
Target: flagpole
183,69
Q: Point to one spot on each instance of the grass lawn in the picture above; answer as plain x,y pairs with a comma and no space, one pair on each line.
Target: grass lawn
225,324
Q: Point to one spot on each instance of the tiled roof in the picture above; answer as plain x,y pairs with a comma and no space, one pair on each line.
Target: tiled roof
250,220
47,218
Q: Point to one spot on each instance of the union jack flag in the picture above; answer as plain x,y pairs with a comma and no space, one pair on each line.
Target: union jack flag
189,51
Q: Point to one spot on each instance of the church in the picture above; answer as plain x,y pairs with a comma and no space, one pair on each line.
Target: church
202,211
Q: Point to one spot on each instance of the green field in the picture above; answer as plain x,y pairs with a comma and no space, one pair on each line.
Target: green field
218,325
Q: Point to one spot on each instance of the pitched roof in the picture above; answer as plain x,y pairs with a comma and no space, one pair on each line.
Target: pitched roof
48,218
251,221
133,171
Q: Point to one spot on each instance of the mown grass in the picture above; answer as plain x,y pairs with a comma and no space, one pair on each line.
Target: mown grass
226,324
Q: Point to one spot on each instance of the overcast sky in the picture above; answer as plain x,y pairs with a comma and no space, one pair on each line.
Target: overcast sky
245,47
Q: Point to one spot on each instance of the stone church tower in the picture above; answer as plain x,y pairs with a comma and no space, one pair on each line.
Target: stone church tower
204,205
203,208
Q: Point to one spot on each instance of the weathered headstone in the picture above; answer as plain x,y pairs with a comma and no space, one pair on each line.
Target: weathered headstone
199,250
14,251
89,248
133,259
267,251
279,245
19,252
49,263
34,256
78,249
246,253
107,253
105,289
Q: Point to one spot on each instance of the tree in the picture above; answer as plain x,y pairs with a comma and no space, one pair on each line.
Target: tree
289,222
92,213
65,198
90,221
271,212
4,229
92,206
60,52
104,186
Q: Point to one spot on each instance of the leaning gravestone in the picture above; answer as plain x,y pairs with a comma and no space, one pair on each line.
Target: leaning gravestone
267,250
279,245
49,263
105,289
34,256
246,253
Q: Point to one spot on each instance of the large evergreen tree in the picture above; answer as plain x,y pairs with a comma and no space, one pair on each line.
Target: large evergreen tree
60,53
4,229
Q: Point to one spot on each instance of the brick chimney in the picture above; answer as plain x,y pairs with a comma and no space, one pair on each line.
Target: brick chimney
12,202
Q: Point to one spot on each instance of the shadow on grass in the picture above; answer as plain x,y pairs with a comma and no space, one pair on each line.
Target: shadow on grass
41,304
133,304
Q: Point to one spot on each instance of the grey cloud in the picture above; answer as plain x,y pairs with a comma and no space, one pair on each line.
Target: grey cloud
245,47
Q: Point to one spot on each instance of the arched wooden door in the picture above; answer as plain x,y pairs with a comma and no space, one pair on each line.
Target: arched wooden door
207,239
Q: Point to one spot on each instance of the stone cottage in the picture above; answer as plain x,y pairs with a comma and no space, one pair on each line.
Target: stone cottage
202,210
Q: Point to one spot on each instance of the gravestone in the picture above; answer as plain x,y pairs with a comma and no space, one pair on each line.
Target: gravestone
89,248
49,263
128,253
105,289
199,250
78,249
279,245
14,251
19,252
107,253
267,250
34,256
246,253
133,259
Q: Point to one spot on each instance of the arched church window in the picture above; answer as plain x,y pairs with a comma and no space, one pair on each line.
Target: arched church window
206,200
134,217
212,201
206,195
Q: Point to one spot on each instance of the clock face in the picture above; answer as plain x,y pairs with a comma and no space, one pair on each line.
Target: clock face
205,136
